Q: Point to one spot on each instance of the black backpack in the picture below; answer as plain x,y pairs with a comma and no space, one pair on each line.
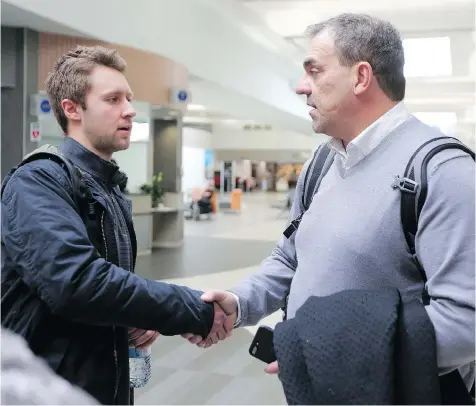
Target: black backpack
414,187
82,196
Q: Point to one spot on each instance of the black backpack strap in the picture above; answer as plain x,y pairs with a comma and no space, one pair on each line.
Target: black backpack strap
320,164
81,193
318,167
414,188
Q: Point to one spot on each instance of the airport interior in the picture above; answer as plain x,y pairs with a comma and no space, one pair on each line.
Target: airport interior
214,90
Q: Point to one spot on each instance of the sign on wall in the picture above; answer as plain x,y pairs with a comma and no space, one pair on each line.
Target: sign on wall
209,163
209,155
35,131
179,96
40,105
45,106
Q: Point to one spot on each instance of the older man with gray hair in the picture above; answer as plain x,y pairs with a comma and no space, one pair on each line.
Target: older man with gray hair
351,235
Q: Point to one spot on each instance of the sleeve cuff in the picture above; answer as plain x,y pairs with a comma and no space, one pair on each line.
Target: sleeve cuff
238,317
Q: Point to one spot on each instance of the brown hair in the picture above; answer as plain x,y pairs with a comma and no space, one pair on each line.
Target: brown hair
69,77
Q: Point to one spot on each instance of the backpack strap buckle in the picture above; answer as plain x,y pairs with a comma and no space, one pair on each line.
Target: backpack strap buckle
293,226
405,184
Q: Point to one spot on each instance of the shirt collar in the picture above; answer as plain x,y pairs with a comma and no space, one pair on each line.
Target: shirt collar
372,136
88,161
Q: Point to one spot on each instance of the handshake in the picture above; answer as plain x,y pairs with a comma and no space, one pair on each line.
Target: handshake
226,313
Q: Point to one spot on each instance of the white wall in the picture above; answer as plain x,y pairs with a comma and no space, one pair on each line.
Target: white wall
193,165
196,138
135,164
232,136
195,142
243,168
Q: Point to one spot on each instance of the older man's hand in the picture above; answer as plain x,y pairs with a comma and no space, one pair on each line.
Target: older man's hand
225,305
222,327
272,368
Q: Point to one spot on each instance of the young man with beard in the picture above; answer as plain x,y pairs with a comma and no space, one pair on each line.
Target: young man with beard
70,289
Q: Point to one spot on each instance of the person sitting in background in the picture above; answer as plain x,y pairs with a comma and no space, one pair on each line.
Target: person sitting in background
203,199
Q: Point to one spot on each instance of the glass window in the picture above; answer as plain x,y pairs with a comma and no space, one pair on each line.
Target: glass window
427,57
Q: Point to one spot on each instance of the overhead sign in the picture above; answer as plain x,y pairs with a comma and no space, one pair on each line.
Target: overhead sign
182,95
179,96
35,131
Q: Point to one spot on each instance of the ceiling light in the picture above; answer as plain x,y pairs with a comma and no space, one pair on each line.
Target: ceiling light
201,120
261,39
195,107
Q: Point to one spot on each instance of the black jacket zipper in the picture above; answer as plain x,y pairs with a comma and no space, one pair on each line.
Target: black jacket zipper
113,328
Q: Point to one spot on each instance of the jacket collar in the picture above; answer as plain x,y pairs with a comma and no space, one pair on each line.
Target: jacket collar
89,162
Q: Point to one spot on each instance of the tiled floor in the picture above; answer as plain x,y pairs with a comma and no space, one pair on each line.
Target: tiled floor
216,254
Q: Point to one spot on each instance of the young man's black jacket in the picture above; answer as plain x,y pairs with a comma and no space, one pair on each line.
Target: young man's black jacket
62,289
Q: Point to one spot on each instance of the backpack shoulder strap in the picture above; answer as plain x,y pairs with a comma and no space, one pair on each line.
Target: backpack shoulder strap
52,153
414,188
318,167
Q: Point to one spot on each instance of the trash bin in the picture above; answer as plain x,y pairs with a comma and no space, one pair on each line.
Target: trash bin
236,199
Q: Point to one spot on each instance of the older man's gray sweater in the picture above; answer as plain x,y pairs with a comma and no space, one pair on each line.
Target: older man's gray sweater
351,238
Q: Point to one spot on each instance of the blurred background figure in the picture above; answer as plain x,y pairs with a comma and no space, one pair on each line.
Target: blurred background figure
27,380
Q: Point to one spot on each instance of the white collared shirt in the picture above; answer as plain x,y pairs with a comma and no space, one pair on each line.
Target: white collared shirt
371,137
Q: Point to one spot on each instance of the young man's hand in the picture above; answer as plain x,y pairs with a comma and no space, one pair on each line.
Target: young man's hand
142,339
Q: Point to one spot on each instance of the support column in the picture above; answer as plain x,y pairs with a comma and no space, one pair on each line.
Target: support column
168,221
20,49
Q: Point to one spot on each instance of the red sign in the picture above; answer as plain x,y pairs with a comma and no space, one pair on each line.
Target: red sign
35,131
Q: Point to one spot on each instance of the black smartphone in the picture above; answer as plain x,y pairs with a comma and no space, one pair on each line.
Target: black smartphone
262,345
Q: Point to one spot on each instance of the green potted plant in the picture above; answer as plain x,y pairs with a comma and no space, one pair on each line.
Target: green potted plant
154,189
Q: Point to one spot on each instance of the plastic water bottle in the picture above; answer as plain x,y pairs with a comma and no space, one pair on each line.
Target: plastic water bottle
139,367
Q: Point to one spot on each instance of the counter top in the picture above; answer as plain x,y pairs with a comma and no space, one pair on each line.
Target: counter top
155,210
